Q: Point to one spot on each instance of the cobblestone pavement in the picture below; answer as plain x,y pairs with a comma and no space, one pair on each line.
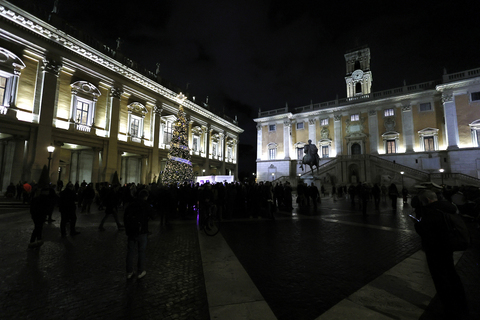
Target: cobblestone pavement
83,277
302,263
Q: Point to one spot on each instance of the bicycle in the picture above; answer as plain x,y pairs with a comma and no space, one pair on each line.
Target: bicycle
208,219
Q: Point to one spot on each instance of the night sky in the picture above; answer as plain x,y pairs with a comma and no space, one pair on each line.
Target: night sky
245,55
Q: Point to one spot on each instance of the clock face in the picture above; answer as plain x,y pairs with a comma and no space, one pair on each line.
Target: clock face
357,74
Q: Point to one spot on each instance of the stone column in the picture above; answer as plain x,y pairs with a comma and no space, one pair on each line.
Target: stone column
234,157
223,142
407,128
112,152
95,165
337,127
259,141
18,160
55,162
144,165
373,129
312,130
154,170
209,152
287,138
50,71
451,126
190,134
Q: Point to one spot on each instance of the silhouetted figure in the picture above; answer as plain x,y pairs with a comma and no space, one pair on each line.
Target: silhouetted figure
39,208
67,210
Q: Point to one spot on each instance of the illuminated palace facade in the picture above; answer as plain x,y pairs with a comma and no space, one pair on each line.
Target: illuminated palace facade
61,88
416,133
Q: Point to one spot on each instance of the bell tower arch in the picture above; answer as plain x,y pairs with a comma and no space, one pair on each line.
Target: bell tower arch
359,77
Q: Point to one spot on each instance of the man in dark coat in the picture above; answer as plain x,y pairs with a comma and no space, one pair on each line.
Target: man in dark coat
39,208
136,227
432,228
67,210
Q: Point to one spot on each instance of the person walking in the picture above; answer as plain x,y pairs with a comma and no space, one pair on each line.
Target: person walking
111,208
433,230
314,195
135,221
67,210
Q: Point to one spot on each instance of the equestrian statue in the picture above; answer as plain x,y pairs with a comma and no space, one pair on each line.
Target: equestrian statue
311,156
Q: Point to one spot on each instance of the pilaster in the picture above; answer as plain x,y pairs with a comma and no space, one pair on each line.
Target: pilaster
337,128
451,125
407,128
373,129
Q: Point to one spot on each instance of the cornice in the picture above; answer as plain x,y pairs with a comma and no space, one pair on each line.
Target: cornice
41,28
276,117
458,84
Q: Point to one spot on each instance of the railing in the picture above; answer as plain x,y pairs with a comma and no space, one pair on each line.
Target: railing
321,168
456,176
83,128
461,75
398,167
272,112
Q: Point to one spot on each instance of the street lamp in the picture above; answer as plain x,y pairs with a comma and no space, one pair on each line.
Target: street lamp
50,150
401,172
441,173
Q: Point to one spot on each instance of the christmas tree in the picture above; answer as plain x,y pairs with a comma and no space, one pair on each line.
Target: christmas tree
179,167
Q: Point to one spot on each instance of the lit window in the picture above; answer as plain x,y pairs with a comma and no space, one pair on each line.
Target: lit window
325,152
391,147
425,106
84,98
475,96
272,153
135,127
272,127
300,125
82,112
195,144
389,112
324,122
429,143
3,85
167,133
355,117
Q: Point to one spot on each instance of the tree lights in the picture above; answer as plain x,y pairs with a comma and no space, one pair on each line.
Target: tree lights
178,168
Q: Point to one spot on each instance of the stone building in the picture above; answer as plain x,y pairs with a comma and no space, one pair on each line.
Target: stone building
416,133
101,111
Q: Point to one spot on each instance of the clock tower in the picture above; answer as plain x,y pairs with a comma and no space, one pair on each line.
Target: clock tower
359,77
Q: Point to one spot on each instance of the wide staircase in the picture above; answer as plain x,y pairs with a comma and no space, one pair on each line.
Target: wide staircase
391,172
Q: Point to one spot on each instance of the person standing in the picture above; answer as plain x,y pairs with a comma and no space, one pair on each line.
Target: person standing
287,196
67,210
314,195
136,227
88,196
393,193
39,208
433,230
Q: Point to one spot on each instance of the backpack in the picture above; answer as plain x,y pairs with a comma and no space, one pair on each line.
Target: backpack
458,237
132,219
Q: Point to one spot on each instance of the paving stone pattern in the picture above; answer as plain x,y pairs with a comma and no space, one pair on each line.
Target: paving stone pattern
83,277
304,267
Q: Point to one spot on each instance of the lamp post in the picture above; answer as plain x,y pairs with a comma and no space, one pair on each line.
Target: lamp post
441,174
401,172
50,150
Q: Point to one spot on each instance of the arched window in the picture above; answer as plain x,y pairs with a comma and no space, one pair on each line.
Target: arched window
272,151
136,114
357,65
358,88
10,67
356,149
84,99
